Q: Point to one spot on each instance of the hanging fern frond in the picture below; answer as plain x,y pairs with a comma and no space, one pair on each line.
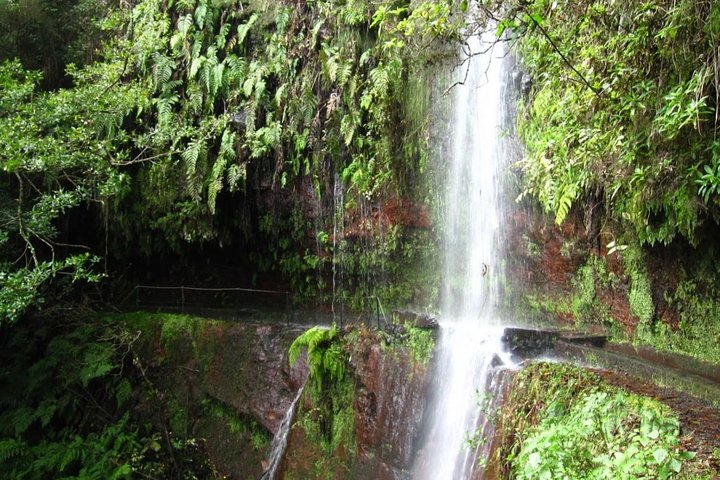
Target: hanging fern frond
194,101
195,151
226,154
236,176
325,359
347,128
195,66
11,448
200,14
380,78
216,79
184,24
344,72
185,5
221,39
216,181
73,452
165,109
162,70
235,70
564,203
244,29
207,76
227,144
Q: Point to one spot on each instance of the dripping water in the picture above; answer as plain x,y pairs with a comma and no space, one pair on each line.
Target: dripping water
279,444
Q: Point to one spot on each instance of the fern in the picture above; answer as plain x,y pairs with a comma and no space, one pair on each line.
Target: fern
73,452
200,14
191,155
194,101
221,37
564,202
21,419
325,361
235,68
244,29
227,144
206,72
226,153
347,128
165,109
380,78
216,79
235,175
344,73
184,5
216,181
46,411
308,340
98,361
162,70
184,24
195,66
12,448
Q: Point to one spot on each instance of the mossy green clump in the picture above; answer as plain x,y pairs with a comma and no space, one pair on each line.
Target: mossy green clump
639,294
326,417
561,421
331,388
421,344
698,328
586,304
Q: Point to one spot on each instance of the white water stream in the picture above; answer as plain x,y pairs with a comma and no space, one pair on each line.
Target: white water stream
469,343
279,444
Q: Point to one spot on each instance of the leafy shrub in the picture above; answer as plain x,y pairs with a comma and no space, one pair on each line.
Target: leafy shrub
603,435
562,421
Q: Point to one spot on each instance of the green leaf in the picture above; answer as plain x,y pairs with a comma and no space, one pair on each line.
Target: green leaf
660,455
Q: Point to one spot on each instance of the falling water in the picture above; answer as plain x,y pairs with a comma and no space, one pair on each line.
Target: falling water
469,345
279,444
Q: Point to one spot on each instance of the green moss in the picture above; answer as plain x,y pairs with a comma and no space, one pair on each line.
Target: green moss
586,304
639,294
698,328
238,424
421,344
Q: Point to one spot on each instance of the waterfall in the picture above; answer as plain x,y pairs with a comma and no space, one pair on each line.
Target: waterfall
469,345
279,444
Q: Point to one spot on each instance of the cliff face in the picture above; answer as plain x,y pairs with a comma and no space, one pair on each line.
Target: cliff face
389,402
228,383
388,384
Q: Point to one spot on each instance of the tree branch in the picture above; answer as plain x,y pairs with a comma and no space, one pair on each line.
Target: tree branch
564,58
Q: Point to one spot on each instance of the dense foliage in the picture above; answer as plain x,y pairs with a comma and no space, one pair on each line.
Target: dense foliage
561,421
621,118
69,403
199,122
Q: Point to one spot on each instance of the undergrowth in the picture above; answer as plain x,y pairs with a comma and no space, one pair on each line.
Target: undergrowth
69,393
561,421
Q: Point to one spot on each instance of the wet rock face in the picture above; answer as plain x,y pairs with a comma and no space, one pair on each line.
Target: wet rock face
250,371
422,320
390,397
231,384
389,388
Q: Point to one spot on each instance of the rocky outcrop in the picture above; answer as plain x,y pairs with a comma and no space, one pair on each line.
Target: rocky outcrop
226,383
389,387
390,400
